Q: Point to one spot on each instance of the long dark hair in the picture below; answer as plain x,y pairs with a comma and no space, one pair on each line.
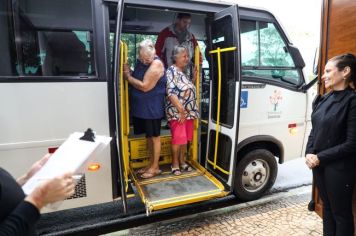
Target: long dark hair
344,60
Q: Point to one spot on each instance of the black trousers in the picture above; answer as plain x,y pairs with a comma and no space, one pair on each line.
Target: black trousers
335,188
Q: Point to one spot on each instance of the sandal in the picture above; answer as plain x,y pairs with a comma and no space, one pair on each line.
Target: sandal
186,167
176,171
148,175
142,170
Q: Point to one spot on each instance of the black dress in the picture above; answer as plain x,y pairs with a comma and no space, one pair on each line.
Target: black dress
17,217
333,140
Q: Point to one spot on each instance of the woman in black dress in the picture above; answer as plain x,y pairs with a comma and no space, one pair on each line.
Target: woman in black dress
331,147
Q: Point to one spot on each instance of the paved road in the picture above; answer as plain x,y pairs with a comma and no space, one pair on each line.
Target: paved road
105,216
283,211
280,214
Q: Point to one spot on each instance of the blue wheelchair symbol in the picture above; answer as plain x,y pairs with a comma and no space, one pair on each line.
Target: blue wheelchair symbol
244,99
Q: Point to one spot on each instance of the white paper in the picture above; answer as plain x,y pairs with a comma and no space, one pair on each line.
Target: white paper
70,156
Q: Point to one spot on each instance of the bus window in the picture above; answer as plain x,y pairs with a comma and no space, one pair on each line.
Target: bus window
205,83
51,38
202,47
262,47
8,59
222,37
132,41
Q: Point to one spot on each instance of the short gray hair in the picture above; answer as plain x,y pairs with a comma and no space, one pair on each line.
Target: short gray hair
147,46
178,50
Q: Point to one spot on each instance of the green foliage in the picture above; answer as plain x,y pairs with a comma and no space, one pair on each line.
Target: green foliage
132,41
266,50
272,48
262,46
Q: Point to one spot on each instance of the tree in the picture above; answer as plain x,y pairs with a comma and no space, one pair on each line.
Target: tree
272,47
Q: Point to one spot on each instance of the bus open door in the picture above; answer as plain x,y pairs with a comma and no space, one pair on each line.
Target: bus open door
225,89
207,180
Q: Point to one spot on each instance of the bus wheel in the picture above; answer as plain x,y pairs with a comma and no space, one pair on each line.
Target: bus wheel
255,174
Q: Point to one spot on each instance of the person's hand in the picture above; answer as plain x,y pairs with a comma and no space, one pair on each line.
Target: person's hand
126,71
38,165
195,74
181,115
312,160
52,190
34,169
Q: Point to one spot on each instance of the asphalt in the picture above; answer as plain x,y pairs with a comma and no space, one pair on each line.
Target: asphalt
279,214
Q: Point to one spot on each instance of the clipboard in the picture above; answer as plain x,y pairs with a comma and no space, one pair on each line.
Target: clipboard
69,157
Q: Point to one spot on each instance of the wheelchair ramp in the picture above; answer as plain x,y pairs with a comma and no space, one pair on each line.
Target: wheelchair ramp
167,190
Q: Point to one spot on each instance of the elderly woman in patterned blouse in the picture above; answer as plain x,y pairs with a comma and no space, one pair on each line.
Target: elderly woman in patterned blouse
181,108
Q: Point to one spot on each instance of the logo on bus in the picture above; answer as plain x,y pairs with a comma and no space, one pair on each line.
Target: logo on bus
275,100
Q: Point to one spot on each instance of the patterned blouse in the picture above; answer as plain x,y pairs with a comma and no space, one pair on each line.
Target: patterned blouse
178,84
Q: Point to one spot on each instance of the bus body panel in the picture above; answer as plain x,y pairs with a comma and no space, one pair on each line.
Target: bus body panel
37,116
265,114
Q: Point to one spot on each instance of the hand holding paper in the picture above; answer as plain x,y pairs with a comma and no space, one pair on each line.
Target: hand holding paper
33,170
52,190
69,157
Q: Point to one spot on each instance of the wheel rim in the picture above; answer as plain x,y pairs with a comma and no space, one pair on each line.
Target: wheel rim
255,176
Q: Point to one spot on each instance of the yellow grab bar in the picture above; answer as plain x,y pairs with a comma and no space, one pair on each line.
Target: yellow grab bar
126,94
222,50
204,122
197,86
218,51
197,79
122,121
219,168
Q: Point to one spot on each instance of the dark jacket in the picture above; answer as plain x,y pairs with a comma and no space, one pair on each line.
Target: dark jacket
17,217
333,136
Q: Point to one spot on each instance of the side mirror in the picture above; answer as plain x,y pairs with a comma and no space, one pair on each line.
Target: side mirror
297,57
306,87
316,61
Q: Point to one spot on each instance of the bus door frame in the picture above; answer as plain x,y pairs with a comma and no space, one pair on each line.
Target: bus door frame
215,125
117,64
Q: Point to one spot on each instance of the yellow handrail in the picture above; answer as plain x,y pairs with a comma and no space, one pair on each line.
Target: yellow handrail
222,50
197,79
123,120
197,85
218,51
126,94
204,122
218,167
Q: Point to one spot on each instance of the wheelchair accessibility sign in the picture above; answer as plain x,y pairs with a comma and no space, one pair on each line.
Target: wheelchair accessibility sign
244,99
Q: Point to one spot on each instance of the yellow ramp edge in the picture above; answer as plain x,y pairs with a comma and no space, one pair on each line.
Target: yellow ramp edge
183,199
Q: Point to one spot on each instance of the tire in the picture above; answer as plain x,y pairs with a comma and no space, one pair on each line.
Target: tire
255,174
